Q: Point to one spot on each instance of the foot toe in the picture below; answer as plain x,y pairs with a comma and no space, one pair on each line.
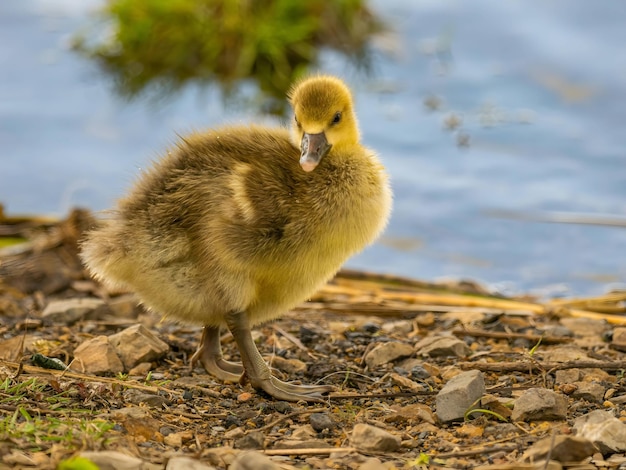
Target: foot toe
291,392
218,367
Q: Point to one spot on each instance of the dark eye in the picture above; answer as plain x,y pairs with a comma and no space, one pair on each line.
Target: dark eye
336,118
295,118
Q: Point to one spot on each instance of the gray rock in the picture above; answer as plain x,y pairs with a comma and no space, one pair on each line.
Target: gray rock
459,394
252,440
437,346
253,461
111,460
137,344
96,356
561,448
539,404
387,352
567,376
369,438
69,311
590,391
419,372
321,421
603,429
186,463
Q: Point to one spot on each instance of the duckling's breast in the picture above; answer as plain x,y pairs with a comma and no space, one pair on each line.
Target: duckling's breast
331,215
353,204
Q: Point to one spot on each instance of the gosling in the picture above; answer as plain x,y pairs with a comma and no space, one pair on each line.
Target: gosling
237,225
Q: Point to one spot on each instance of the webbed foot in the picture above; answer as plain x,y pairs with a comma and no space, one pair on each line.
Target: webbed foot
291,392
258,372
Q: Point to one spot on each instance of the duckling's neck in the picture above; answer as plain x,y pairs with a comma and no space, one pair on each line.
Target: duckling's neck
350,182
350,156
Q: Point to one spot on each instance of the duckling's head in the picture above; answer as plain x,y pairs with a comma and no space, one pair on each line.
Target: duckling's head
323,118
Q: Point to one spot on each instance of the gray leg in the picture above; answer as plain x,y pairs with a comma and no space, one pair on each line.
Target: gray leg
209,354
259,373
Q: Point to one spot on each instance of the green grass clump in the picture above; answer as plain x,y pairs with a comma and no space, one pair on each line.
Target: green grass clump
37,431
165,44
35,415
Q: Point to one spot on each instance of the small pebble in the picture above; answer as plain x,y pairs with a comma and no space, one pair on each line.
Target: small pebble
418,372
283,407
321,421
230,421
252,440
307,335
401,371
371,328
243,397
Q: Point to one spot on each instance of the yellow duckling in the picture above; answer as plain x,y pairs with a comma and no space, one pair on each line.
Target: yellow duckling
237,225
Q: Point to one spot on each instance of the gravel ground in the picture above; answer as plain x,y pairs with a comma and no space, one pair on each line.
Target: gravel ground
426,376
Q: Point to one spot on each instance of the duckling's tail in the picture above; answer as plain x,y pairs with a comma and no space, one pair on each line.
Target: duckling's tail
102,252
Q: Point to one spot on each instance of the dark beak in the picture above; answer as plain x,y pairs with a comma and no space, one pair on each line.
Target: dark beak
314,148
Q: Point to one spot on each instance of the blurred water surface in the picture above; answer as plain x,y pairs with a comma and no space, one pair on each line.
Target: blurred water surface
538,88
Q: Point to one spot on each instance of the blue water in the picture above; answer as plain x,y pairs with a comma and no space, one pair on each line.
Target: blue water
540,89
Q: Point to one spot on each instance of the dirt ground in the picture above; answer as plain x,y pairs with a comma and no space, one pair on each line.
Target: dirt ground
163,409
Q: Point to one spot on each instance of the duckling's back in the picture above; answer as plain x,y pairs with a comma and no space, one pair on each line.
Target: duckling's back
228,221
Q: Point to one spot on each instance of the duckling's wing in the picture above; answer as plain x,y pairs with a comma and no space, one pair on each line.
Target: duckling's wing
246,180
